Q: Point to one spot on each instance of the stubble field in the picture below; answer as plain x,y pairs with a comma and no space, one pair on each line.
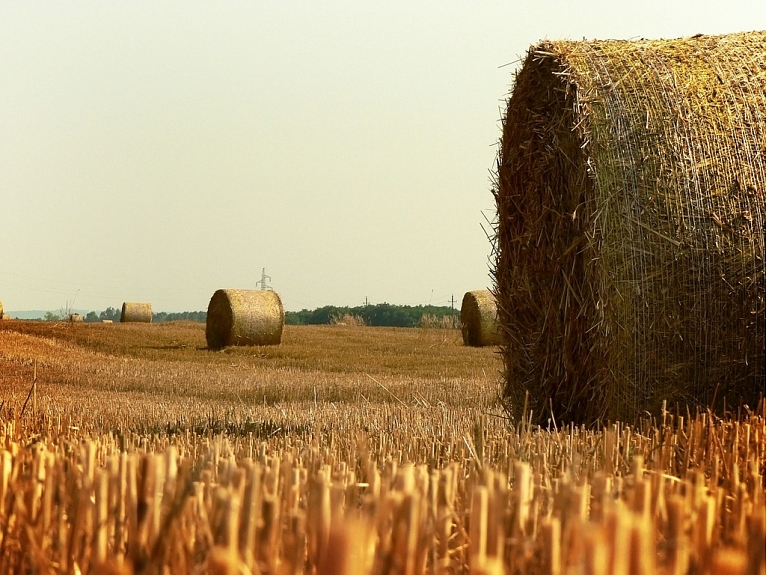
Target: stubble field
345,450
144,377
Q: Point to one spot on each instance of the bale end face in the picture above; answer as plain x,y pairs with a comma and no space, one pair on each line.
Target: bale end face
244,317
479,322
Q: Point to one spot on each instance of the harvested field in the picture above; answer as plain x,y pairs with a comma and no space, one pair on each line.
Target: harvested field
348,450
165,372
630,261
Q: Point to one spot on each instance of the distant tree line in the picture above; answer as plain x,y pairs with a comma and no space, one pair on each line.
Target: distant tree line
110,313
382,314
114,315
198,316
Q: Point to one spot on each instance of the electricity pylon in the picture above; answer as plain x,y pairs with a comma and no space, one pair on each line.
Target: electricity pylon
263,280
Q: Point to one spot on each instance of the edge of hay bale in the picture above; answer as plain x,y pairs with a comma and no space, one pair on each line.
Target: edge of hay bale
479,319
630,250
133,312
244,317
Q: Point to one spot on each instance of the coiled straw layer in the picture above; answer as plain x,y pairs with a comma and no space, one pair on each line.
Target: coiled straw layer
630,255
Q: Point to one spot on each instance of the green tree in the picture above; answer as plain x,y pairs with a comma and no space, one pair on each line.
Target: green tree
110,313
382,314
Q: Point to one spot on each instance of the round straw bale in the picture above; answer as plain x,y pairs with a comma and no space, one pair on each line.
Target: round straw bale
244,317
75,318
479,325
136,312
630,247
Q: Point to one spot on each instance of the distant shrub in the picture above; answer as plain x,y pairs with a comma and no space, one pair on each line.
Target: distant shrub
347,319
432,321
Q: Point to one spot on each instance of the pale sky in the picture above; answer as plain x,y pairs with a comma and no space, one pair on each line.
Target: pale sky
158,151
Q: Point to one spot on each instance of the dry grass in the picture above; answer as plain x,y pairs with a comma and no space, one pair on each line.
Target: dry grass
347,319
345,451
432,321
165,373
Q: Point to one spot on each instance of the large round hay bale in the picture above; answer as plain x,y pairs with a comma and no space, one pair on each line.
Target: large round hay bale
76,318
630,249
244,317
479,322
136,312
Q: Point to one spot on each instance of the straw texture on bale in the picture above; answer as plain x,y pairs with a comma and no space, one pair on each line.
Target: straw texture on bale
630,247
244,317
136,312
479,324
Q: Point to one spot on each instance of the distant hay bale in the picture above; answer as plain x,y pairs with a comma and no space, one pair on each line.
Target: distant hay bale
244,317
106,321
479,322
630,248
136,313
75,318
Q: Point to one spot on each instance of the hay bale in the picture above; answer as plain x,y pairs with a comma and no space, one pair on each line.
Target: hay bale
630,248
244,317
136,312
479,321
75,318
106,321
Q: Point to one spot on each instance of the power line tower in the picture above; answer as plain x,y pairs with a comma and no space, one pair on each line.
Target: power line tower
263,280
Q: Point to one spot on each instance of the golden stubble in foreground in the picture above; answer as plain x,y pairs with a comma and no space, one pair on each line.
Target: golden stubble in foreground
345,451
